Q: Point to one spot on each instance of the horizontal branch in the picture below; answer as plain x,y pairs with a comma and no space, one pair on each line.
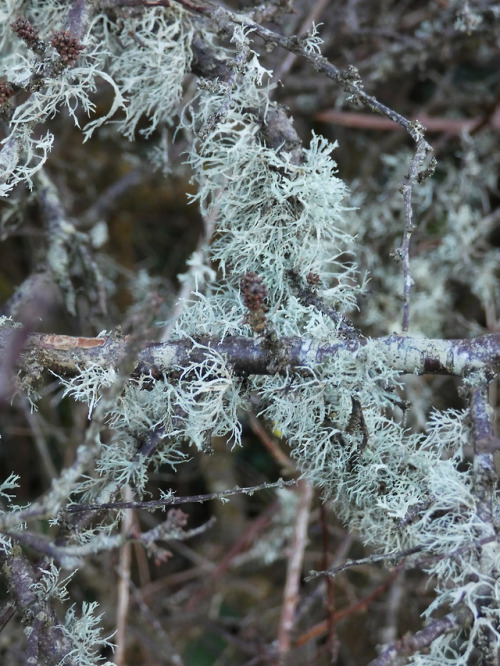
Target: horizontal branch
68,355
175,501
431,123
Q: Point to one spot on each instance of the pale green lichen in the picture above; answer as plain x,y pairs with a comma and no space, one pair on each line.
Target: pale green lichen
272,213
149,61
144,67
49,585
277,210
87,386
84,632
10,483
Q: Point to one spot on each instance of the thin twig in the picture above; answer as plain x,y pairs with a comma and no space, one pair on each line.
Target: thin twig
294,570
270,443
313,15
349,80
370,560
332,643
432,123
395,599
173,501
40,441
123,601
422,639
173,656
360,606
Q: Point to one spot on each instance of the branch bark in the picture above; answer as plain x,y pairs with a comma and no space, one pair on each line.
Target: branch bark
68,356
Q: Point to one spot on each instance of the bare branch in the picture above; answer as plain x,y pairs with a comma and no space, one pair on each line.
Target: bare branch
294,570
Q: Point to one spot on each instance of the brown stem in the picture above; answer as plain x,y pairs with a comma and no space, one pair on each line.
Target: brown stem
360,606
294,569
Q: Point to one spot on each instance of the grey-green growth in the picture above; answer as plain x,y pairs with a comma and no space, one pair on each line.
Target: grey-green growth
277,208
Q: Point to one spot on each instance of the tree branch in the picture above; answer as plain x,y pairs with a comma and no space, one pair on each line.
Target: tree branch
48,643
68,356
421,639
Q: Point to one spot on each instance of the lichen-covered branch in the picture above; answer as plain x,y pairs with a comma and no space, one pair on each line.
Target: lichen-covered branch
48,644
411,644
286,310
68,355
